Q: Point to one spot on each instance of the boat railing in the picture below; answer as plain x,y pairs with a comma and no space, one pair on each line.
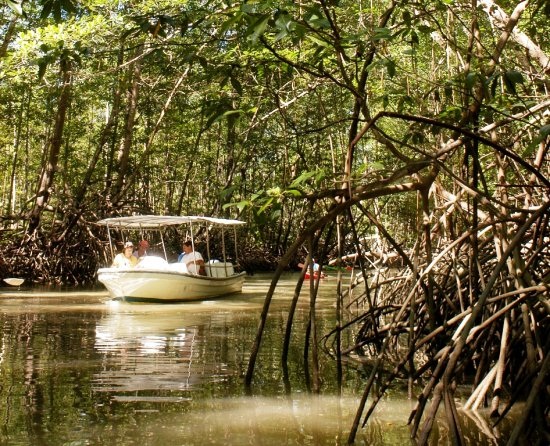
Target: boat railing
214,268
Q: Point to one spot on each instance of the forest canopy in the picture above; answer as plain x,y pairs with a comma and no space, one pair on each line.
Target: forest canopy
267,111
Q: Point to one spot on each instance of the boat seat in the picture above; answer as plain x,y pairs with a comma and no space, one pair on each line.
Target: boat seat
219,269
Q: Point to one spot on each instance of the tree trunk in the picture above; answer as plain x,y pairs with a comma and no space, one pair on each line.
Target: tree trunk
53,149
8,37
123,157
106,135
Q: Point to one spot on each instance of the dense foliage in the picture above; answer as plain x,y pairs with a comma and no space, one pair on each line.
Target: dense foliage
365,130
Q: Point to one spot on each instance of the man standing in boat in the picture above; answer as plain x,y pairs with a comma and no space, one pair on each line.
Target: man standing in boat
192,259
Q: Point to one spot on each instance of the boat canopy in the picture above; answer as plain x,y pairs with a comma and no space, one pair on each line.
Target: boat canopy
162,221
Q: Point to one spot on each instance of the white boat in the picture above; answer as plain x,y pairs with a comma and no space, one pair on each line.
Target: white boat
154,279
14,281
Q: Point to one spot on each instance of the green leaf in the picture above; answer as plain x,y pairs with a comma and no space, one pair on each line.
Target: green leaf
493,84
450,114
249,7
224,81
227,192
236,85
315,18
257,28
514,76
299,31
265,206
276,214
403,101
407,18
424,29
302,178
215,111
545,131
511,79
418,137
241,205
390,67
470,80
42,65
184,24
57,9
274,192
283,23
257,195
381,34
318,40
46,10
232,112
203,62
231,22
293,192
376,165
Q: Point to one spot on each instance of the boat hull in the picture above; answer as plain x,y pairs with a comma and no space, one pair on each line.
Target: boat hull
142,285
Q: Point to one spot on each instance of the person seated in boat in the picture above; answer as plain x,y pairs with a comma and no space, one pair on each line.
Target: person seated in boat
125,259
141,250
316,269
192,259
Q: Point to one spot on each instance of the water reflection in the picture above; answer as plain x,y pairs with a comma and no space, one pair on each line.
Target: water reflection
79,369
143,351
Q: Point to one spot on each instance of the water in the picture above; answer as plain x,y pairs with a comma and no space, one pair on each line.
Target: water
79,369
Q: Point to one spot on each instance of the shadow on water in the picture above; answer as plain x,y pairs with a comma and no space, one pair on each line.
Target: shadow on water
80,369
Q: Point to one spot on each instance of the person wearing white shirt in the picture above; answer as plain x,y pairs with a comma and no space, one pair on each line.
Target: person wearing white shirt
125,259
192,259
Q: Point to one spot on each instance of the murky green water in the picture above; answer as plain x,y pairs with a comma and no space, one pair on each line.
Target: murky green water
79,369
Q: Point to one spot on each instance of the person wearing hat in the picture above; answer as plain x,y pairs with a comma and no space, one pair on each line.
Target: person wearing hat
125,259
141,250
